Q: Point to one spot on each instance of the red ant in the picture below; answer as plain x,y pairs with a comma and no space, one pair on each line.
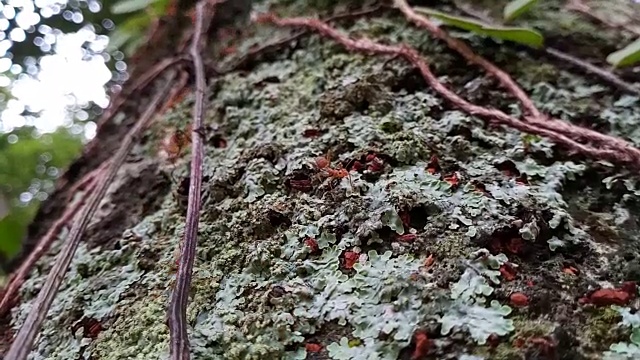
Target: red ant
176,142
323,164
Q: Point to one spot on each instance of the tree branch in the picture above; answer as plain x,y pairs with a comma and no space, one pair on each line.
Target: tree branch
22,343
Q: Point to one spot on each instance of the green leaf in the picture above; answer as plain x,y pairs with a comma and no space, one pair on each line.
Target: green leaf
161,6
11,232
518,35
516,8
129,6
128,33
628,56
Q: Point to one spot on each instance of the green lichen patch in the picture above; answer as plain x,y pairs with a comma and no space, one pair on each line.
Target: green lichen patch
480,321
93,288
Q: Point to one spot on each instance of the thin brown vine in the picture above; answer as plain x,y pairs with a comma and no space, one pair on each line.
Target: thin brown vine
177,314
244,60
466,52
618,150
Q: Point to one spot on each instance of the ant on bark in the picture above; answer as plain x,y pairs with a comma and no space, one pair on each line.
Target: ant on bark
323,164
178,140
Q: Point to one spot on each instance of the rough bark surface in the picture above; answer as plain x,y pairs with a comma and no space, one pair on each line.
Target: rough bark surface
451,238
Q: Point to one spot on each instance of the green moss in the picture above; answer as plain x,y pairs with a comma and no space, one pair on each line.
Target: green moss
391,127
525,329
528,328
599,330
364,95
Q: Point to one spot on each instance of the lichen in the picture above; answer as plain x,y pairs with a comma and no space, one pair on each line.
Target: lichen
481,322
630,349
446,217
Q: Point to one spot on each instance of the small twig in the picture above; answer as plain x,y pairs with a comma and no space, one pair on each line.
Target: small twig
466,52
605,75
18,277
22,343
551,128
177,317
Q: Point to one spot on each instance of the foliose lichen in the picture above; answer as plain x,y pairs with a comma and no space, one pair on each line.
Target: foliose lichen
442,219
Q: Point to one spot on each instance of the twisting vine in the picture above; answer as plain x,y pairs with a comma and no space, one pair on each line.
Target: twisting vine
562,133
463,49
179,339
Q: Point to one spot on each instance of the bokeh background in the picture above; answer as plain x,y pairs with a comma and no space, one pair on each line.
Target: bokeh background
59,60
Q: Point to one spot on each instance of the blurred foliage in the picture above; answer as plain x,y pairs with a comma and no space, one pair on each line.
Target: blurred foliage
29,165
29,161
139,15
132,18
62,24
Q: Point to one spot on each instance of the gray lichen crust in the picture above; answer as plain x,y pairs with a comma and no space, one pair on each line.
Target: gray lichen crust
440,221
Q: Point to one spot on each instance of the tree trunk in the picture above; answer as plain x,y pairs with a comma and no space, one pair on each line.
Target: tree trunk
449,237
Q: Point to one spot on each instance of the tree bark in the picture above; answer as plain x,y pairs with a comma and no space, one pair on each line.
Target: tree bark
449,237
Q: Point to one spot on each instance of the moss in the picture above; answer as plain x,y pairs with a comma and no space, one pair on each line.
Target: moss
531,327
363,95
600,329
390,127
136,334
519,342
